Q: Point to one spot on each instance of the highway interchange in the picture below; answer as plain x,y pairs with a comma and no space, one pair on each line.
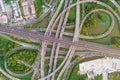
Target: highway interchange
58,41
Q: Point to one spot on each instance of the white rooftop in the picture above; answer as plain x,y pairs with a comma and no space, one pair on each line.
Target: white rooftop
2,5
99,66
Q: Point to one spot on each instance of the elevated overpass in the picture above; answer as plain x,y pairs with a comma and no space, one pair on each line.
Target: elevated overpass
34,36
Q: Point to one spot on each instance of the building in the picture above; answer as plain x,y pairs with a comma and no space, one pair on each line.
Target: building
12,14
100,66
4,19
29,9
16,11
26,9
2,7
32,7
3,16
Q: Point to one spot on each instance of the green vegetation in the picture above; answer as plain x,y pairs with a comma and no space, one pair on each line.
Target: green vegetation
64,49
20,4
83,51
72,16
115,42
48,54
40,23
8,1
46,66
27,77
104,18
49,46
25,41
3,77
28,56
59,61
25,55
57,4
74,75
67,36
114,76
73,71
93,20
90,21
38,6
99,77
5,46
96,24
69,30
13,60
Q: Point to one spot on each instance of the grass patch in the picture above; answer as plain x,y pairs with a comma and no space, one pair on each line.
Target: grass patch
26,55
38,6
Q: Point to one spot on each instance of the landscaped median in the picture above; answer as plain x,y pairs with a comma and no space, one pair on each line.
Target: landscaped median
17,61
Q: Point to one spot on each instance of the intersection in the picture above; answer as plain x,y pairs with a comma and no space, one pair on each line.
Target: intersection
60,19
